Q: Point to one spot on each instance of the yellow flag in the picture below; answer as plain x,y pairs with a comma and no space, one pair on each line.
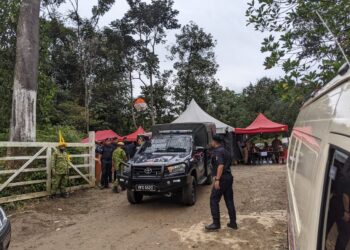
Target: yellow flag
61,141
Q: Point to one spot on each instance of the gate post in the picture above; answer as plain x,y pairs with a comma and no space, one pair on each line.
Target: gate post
92,157
48,169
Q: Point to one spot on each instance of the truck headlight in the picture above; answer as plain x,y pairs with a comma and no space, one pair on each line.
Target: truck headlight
127,169
177,169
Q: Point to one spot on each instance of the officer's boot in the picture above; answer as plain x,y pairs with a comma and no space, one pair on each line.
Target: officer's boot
232,225
115,187
214,226
53,196
65,195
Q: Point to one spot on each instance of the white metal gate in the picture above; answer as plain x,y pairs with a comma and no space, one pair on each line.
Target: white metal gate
83,164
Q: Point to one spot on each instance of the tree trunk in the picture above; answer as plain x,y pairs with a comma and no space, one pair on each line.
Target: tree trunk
151,91
152,99
132,100
23,120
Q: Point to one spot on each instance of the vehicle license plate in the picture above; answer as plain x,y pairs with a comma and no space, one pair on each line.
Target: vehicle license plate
143,187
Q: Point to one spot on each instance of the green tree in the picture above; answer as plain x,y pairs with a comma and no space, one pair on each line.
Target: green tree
59,95
226,105
298,40
9,11
162,98
122,34
110,93
149,24
266,97
195,64
86,45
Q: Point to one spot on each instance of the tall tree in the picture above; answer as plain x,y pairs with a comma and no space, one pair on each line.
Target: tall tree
150,23
265,96
86,44
195,64
225,105
122,34
162,96
110,107
23,120
298,41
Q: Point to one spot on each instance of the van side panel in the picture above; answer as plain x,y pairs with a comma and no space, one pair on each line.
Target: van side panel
306,167
315,119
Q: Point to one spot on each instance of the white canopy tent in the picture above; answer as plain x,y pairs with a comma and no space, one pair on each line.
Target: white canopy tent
194,113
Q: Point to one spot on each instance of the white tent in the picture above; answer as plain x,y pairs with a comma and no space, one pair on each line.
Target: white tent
194,113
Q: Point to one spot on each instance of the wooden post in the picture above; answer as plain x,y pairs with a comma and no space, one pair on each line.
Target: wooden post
48,169
92,157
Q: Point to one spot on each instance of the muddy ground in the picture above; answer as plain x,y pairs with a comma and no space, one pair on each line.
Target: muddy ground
100,219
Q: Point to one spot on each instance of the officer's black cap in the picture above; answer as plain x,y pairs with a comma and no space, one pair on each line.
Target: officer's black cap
218,138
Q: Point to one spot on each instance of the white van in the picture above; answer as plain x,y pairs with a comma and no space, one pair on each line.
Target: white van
318,175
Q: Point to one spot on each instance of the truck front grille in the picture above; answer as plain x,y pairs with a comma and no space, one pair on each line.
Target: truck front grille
147,171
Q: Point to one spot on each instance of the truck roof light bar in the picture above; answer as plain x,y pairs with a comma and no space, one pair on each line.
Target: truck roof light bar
176,131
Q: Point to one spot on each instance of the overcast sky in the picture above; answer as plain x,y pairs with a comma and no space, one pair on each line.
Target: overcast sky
238,46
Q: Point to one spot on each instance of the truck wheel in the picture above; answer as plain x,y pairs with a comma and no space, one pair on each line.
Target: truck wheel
209,180
134,197
189,193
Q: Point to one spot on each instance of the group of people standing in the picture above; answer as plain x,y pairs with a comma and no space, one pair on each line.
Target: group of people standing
111,155
253,155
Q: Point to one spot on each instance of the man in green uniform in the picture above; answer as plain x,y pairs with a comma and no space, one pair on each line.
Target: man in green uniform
118,157
60,165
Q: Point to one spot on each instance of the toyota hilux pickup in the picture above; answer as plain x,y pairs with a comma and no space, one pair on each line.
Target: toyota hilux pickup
173,163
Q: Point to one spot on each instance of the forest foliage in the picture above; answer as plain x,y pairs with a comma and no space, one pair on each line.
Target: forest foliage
88,73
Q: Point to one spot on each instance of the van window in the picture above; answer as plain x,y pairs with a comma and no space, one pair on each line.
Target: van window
291,155
335,220
306,162
304,168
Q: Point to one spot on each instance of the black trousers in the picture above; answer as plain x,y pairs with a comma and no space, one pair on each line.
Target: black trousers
115,176
277,157
106,173
226,190
335,214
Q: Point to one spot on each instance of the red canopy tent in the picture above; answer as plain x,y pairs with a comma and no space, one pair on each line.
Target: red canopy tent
103,135
133,136
262,125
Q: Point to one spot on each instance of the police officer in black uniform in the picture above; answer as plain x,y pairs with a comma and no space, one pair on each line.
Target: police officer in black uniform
223,181
106,158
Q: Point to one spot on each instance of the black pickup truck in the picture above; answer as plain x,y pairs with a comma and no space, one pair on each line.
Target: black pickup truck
172,163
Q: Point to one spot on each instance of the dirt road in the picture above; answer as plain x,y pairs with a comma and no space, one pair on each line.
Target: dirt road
96,219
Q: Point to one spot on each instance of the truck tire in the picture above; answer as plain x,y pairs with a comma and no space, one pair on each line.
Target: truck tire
134,197
189,193
209,180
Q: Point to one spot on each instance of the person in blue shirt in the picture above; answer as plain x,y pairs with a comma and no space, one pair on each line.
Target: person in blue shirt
223,181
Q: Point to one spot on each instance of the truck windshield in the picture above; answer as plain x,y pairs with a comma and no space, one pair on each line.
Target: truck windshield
168,144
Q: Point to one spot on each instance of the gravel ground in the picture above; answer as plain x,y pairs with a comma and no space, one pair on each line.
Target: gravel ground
100,219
